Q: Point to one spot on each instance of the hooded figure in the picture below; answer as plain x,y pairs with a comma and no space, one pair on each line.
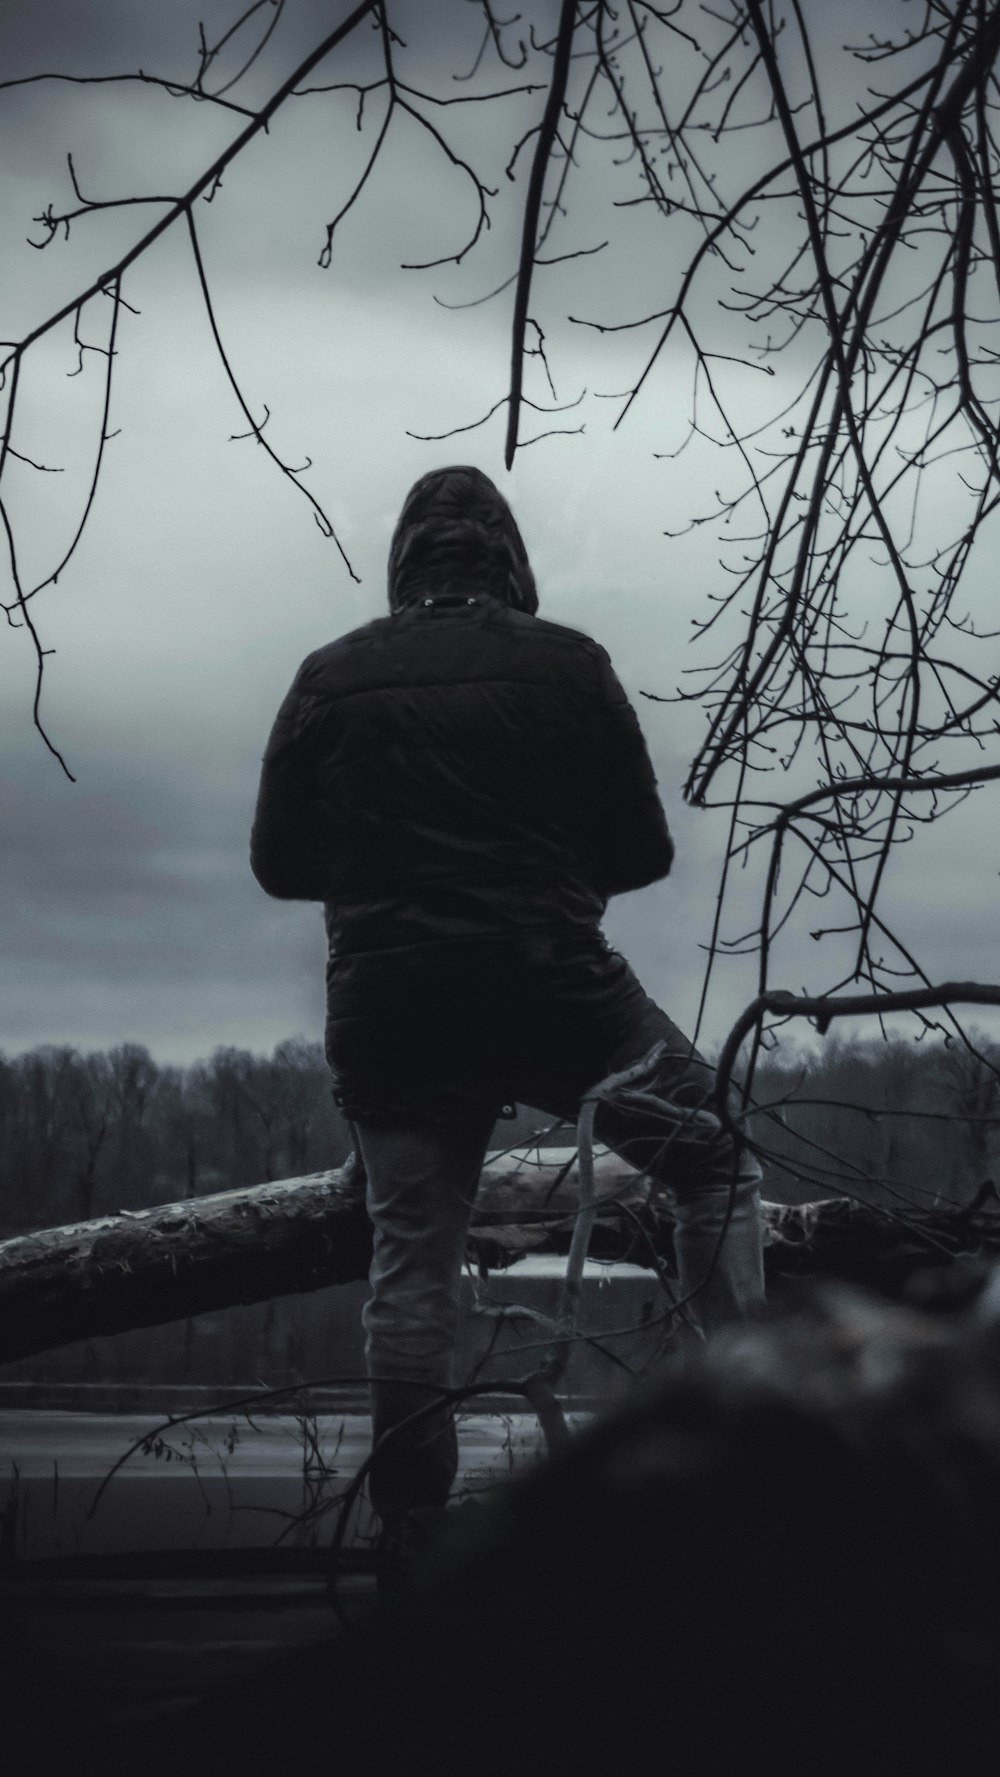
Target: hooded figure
463,784
456,528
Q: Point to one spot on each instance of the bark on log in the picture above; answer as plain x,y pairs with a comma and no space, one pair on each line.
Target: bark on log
148,1267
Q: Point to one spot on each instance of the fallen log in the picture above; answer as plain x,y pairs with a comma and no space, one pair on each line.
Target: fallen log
147,1267
143,1268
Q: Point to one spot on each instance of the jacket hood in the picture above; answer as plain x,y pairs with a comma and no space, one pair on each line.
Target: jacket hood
456,530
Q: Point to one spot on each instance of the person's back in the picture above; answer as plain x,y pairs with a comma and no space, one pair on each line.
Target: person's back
464,757
462,783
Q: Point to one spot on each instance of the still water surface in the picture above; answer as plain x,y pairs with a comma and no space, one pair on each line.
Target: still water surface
219,1482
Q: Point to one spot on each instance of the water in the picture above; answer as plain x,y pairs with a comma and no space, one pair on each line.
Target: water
219,1482
229,1481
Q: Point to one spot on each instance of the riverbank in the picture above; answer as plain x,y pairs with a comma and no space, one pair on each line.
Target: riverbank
204,1556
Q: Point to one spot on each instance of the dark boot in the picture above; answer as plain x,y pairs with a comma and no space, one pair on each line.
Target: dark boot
415,1456
403,1539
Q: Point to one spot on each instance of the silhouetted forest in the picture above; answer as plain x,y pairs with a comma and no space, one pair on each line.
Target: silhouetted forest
83,1135
881,1120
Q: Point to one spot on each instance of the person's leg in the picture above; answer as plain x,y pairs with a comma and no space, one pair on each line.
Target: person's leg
664,1125
593,1015
422,1178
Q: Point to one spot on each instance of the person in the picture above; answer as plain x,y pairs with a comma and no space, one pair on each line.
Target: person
464,784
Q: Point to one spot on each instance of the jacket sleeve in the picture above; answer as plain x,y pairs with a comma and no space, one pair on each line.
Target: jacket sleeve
630,844
285,851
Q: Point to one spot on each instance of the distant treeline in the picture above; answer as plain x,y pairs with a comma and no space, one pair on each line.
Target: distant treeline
890,1121
83,1135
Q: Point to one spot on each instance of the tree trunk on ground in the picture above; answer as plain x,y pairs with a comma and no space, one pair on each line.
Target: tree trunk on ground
202,1254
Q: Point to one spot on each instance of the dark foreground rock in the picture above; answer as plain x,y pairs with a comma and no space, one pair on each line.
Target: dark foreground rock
784,1557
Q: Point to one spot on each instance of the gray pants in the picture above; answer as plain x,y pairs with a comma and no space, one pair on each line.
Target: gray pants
423,1171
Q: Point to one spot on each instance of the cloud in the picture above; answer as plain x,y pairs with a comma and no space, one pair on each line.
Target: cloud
129,911
127,907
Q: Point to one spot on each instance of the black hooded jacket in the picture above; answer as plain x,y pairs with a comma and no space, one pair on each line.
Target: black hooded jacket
454,780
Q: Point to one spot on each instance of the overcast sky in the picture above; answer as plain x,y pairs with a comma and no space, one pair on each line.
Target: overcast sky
128,909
